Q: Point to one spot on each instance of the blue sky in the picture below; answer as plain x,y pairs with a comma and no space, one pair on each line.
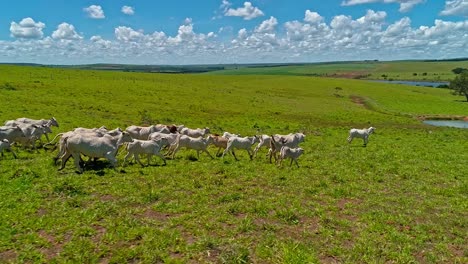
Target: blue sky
229,31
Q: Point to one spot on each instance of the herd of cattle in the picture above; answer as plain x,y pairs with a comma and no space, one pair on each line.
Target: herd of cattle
139,140
151,140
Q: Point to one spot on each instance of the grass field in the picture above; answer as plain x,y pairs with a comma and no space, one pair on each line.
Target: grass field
402,199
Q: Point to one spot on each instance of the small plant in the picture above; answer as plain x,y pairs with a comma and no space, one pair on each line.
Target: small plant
8,86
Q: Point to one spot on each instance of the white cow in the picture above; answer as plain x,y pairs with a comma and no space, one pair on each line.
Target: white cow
291,140
240,143
93,147
148,147
264,141
32,133
195,133
220,142
141,132
89,132
5,144
12,134
360,133
198,144
52,121
292,153
45,123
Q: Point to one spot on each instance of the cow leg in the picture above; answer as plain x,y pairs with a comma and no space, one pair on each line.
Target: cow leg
297,164
175,151
206,151
77,158
14,154
137,158
161,156
225,151
47,137
65,158
234,154
250,154
126,157
290,164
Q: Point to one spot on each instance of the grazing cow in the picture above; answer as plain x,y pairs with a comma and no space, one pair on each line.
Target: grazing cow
195,133
360,133
148,147
5,144
240,143
291,140
93,147
12,134
198,144
292,153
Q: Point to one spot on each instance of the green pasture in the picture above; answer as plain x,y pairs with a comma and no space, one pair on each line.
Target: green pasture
375,70
401,199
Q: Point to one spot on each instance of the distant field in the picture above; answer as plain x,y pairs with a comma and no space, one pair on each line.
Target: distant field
402,199
397,70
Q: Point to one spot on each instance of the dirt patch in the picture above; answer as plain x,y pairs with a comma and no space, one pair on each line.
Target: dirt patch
8,256
358,100
350,75
107,197
55,246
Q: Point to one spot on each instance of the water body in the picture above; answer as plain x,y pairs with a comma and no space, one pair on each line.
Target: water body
447,123
416,83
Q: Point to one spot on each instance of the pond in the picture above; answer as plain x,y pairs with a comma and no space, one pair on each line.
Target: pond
447,123
416,83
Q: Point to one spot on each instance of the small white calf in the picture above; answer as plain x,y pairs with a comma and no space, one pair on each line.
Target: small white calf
148,147
292,153
198,144
240,143
199,132
360,133
5,144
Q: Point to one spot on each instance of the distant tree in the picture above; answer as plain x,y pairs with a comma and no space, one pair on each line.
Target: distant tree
459,70
459,85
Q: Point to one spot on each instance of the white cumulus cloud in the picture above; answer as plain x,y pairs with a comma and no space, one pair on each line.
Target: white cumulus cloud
248,12
27,28
128,10
127,34
66,31
405,5
94,11
455,8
